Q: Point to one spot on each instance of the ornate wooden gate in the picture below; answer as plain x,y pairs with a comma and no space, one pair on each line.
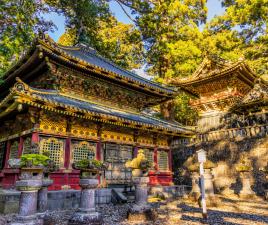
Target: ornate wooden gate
115,156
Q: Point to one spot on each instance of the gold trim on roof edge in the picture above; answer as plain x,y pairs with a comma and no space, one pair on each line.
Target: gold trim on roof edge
25,95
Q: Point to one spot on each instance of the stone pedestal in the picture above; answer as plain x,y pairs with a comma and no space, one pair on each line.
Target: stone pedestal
29,186
246,191
87,214
195,192
211,198
42,196
141,210
209,187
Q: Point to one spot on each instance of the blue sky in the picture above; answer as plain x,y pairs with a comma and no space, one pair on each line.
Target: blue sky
214,8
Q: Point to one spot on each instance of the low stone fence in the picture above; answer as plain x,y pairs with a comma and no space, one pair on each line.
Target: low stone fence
57,200
242,132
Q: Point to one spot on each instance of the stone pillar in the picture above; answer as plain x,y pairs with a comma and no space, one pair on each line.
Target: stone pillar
87,210
209,187
42,195
141,193
141,210
29,184
246,191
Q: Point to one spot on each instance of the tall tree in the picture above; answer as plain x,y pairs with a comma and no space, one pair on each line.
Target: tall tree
117,41
245,22
173,41
19,22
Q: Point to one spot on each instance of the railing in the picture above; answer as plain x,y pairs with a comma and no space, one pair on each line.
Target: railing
231,133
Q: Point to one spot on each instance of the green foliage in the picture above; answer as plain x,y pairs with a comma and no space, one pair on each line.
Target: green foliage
118,42
31,160
170,33
183,112
244,27
19,23
89,164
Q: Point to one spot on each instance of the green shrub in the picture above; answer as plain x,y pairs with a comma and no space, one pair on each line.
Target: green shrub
32,160
89,164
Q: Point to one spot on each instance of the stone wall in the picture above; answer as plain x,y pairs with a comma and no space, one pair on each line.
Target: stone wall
64,199
225,147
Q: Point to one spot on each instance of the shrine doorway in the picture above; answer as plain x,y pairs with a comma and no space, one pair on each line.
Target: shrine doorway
116,155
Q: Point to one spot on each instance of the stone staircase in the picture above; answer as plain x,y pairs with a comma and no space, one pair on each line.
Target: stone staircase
123,195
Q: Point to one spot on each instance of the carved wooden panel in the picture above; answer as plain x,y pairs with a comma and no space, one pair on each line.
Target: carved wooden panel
55,147
14,150
149,154
88,87
117,137
162,160
116,156
53,123
83,150
27,145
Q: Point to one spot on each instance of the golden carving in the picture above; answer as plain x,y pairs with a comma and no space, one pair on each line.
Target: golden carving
117,137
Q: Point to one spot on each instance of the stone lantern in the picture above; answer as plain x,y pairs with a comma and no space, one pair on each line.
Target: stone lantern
244,168
87,214
29,184
141,211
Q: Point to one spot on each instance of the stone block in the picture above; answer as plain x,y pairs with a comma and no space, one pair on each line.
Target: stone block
55,204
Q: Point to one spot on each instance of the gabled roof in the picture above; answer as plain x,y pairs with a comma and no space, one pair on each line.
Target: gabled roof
214,70
61,103
214,67
86,58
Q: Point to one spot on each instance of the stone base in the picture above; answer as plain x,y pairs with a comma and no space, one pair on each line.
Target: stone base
27,220
141,213
86,218
247,196
211,201
193,196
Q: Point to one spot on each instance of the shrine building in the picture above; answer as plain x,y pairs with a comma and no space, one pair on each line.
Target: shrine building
73,102
220,85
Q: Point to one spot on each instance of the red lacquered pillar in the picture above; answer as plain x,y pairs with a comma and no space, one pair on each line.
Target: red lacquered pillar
98,150
67,155
155,158
7,153
20,147
35,137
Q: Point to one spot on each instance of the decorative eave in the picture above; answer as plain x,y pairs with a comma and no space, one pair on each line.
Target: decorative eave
22,94
47,46
255,100
216,103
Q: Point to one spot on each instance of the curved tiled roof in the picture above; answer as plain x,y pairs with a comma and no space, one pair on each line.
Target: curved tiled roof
91,56
86,58
60,102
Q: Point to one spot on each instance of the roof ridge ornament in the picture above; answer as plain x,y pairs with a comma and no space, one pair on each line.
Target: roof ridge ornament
20,86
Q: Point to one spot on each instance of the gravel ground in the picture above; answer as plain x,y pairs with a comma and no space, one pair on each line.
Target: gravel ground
231,211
